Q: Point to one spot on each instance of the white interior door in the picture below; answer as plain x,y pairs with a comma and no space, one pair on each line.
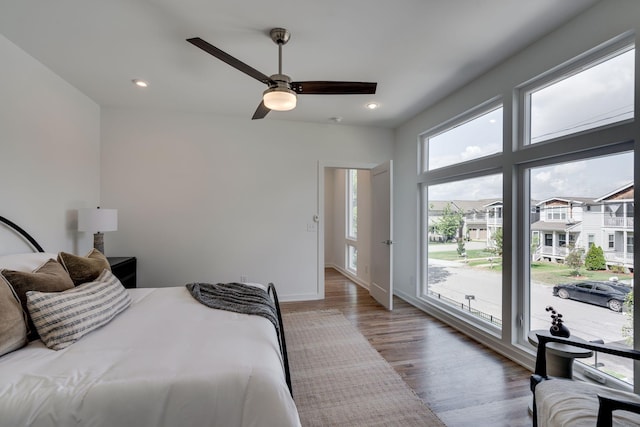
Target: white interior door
382,234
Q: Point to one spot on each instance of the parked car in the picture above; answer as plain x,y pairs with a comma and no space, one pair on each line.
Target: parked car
599,293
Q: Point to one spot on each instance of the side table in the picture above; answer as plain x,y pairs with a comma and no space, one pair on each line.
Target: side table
560,356
125,269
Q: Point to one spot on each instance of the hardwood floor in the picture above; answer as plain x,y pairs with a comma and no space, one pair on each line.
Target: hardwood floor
463,382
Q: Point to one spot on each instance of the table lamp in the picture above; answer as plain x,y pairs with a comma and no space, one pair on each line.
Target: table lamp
97,221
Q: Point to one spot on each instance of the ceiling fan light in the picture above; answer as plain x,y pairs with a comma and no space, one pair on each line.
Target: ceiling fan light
279,99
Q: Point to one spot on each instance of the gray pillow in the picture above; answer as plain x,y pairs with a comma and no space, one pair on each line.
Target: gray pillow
49,277
13,325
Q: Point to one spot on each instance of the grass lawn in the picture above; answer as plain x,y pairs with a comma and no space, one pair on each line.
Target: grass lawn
546,272
553,273
453,255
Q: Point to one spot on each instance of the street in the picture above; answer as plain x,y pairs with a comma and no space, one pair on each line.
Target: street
454,280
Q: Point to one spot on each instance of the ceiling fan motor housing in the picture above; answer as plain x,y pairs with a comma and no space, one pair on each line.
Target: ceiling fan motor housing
280,97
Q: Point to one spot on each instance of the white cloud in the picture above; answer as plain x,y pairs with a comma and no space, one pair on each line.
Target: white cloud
471,152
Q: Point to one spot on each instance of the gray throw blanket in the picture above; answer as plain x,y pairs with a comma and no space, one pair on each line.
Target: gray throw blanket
236,297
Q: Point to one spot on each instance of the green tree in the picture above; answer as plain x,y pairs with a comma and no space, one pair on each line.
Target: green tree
497,241
574,260
595,259
449,225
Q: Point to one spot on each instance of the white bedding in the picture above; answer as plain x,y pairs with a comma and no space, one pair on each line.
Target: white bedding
166,361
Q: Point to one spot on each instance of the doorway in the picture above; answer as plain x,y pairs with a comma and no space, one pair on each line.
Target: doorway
337,242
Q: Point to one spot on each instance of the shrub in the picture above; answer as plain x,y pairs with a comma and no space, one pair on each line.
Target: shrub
595,259
574,260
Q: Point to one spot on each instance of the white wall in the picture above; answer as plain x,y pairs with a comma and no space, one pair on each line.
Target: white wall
604,21
49,154
329,216
212,198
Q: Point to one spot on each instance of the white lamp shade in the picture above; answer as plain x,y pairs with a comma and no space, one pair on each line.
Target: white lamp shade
97,220
279,99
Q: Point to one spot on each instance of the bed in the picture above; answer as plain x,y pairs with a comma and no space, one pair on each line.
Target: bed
163,360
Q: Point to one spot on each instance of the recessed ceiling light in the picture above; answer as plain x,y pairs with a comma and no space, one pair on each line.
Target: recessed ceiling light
140,83
372,105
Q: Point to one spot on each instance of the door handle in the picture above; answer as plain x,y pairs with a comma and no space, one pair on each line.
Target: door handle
387,242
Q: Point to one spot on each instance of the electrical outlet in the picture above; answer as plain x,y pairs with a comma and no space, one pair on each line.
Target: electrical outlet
243,279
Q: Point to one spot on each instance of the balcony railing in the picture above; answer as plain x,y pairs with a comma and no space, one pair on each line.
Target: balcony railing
554,251
618,221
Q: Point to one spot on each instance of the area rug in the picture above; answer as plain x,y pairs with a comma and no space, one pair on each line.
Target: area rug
339,379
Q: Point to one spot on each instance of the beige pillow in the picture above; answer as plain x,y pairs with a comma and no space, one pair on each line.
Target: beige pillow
83,269
49,277
13,327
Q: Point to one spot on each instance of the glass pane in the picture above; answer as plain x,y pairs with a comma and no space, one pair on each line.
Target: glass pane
352,258
597,96
352,203
584,266
464,249
476,138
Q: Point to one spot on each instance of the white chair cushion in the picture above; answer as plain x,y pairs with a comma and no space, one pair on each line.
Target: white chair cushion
575,403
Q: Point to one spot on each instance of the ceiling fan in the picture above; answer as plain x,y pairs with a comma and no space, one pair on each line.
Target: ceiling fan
281,94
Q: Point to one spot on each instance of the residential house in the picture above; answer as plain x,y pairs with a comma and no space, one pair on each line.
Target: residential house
558,228
616,227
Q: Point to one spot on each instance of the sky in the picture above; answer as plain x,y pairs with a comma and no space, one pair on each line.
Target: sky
594,97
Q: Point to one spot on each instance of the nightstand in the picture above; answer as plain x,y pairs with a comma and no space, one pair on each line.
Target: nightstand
124,268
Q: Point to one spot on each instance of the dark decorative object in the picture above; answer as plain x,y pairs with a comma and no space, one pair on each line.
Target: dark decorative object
558,329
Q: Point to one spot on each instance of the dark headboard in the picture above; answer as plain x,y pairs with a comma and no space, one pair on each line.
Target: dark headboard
15,227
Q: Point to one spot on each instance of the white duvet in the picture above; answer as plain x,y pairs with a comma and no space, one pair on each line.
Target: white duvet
165,361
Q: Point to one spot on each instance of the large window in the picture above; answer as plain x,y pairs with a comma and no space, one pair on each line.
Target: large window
574,279
605,87
556,191
464,246
477,137
462,232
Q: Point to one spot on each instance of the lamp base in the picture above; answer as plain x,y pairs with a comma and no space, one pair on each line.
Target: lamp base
98,242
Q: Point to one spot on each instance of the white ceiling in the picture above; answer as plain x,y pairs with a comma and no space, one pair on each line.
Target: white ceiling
417,50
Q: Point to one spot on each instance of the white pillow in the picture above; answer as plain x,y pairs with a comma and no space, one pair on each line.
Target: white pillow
62,318
26,262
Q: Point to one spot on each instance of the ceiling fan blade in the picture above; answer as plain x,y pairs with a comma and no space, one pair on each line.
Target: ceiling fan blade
261,111
235,63
333,88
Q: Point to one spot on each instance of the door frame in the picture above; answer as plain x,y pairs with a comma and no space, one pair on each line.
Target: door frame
322,165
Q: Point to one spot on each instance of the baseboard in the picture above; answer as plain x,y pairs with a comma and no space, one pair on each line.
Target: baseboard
299,297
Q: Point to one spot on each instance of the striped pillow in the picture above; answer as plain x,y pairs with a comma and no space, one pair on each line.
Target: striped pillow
62,318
